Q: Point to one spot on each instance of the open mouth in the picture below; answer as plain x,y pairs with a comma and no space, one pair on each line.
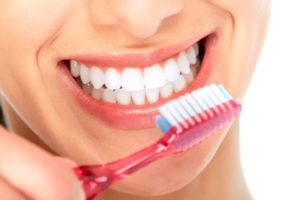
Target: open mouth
128,97
139,86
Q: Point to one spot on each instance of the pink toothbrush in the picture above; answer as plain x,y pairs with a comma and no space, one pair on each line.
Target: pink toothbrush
185,122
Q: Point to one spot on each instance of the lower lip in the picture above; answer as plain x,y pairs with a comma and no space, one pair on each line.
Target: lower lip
133,117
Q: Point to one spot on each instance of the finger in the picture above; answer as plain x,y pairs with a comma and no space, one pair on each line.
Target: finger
36,173
8,192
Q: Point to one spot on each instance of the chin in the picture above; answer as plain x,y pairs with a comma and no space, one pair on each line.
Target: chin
173,173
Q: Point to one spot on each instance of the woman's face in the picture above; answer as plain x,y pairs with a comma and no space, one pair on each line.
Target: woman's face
126,57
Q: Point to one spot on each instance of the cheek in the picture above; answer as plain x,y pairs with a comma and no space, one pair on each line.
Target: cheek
249,24
242,8
27,25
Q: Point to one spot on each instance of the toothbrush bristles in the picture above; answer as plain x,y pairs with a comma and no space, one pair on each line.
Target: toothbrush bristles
212,107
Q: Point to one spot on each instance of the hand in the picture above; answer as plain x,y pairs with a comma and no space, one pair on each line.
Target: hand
28,172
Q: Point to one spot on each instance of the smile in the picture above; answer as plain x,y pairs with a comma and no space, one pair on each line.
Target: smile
127,97
135,85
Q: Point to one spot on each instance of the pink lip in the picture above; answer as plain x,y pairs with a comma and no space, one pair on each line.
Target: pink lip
140,59
134,117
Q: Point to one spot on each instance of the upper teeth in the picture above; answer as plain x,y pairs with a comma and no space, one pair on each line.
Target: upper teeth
153,78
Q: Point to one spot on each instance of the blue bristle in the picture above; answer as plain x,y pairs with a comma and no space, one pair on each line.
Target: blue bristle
163,124
225,92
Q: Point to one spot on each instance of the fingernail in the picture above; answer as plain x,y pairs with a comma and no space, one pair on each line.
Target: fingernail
77,192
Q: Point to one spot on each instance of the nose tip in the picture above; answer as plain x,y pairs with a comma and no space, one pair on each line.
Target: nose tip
140,27
140,18
144,21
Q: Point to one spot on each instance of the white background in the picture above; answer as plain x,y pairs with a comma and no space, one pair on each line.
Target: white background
270,123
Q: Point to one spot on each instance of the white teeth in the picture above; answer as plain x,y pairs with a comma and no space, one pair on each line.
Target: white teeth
84,74
75,68
171,70
191,54
183,63
179,84
97,93
138,97
154,77
112,79
133,85
132,79
152,95
123,97
166,90
109,96
97,77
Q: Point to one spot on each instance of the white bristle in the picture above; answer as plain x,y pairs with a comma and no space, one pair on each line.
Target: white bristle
197,103
193,103
180,109
199,99
183,111
174,113
188,107
224,92
164,111
205,96
204,100
213,97
218,93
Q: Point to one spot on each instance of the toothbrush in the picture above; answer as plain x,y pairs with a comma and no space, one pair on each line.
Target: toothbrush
185,122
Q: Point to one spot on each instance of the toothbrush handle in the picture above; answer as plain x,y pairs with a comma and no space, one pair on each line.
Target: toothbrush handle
97,178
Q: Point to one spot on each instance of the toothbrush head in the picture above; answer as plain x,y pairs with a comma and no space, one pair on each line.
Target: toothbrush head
192,118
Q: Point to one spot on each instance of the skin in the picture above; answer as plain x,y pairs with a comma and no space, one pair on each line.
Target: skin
50,122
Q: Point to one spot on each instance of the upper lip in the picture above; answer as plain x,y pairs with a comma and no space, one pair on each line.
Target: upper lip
133,59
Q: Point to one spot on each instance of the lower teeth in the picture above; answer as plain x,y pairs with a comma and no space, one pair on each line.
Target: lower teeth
147,96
